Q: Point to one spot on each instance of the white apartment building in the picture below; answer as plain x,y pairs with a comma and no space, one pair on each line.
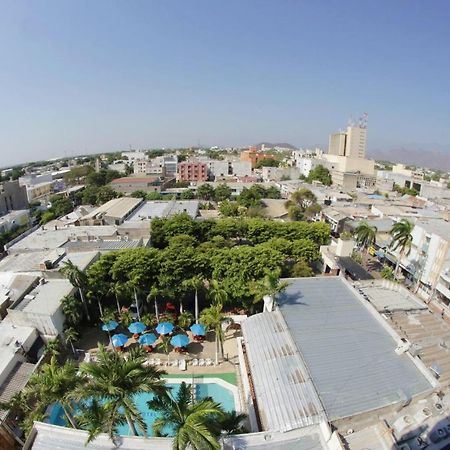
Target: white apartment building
161,166
429,258
306,160
229,167
134,155
280,173
241,168
153,167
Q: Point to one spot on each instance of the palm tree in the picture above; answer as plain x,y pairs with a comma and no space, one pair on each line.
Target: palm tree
216,293
269,286
78,279
71,336
113,378
195,283
365,234
135,284
232,423
153,295
401,233
195,423
118,290
165,346
185,319
53,348
54,383
100,417
71,309
212,318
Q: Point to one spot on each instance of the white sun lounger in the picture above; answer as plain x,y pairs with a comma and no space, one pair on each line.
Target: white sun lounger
174,363
157,362
182,364
208,362
201,362
195,362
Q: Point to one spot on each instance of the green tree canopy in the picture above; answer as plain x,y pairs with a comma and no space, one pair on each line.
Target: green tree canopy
320,173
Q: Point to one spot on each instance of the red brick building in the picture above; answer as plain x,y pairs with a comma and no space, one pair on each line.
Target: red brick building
192,171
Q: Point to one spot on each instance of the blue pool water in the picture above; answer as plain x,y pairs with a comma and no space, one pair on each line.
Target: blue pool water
219,393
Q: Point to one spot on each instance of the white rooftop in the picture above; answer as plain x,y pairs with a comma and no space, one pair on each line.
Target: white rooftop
160,209
45,298
11,337
51,239
117,207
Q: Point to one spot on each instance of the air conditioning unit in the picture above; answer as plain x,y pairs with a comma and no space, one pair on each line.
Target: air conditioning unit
403,347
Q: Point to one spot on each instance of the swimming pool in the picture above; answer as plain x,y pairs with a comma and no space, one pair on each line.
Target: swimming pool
203,388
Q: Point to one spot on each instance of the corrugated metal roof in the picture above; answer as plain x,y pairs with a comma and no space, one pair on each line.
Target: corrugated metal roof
285,395
349,354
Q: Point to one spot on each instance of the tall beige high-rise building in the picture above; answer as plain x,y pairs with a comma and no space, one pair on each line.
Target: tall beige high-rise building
337,143
351,143
356,142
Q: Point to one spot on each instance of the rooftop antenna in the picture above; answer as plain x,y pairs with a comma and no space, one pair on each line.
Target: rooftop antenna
362,122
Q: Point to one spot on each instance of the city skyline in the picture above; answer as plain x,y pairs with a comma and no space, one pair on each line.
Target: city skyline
89,78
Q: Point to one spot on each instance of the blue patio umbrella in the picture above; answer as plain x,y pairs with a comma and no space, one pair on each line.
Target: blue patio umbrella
137,327
119,340
198,329
164,328
147,339
112,325
180,340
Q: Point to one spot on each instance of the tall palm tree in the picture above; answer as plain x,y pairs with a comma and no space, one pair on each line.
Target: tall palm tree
153,295
401,233
55,383
216,293
195,423
366,234
116,379
195,283
118,290
71,310
213,318
78,279
71,336
100,417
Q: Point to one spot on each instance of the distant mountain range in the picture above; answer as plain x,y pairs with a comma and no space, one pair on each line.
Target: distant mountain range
422,156
428,155
270,145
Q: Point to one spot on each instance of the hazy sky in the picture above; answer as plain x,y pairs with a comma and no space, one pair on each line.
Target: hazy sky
87,76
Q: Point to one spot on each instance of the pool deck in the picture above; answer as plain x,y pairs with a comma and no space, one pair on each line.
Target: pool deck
205,350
